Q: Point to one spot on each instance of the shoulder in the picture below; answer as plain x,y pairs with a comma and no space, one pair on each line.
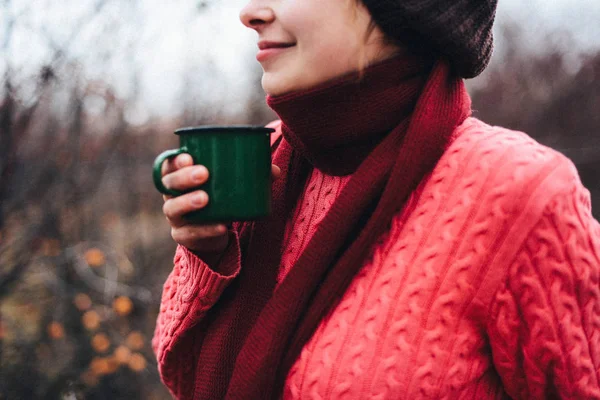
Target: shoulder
508,162
490,191
496,184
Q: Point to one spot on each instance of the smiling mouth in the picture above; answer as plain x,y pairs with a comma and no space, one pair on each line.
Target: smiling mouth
267,49
265,45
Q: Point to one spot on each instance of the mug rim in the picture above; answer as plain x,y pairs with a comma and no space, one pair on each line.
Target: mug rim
213,128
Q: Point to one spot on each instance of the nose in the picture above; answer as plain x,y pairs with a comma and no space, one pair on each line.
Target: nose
256,15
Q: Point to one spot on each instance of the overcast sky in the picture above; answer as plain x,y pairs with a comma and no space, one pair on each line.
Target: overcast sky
167,40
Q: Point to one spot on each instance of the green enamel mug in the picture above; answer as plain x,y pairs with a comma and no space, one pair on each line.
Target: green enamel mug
238,159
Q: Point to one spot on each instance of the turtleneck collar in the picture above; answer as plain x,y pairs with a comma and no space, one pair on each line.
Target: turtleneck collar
337,124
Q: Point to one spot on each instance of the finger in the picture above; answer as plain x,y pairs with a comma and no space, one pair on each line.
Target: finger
207,245
275,172
173,164
176,207
190,235
186,178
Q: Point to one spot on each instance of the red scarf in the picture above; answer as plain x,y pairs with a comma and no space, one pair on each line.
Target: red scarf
388,127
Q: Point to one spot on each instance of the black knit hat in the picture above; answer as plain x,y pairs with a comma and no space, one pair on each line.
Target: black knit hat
459,29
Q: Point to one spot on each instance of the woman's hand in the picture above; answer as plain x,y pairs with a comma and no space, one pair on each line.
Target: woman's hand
180,174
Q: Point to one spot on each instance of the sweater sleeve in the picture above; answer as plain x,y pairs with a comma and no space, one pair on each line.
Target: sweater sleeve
544,325
190,290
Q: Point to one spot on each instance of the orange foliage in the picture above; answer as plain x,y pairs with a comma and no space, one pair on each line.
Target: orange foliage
100,342
137,362
98,366
122,354
135,340
94,257
82,301
56,330
91,320
103,365
123,305
112,364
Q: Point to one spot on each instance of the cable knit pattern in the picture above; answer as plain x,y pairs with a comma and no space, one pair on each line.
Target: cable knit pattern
486,286
190,291
550,302
319,194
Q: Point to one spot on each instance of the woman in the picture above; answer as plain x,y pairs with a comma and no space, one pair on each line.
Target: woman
413,252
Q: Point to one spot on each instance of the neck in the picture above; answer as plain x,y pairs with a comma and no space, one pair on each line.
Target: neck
337,124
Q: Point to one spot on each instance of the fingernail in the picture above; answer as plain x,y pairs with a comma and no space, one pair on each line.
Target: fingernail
200,173
221,228
200,198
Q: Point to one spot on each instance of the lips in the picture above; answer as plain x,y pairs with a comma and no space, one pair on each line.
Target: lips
265,45
268,49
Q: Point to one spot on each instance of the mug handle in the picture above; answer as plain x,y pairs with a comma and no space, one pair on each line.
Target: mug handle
157,170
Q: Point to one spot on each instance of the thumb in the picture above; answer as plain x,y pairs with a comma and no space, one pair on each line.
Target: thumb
275,172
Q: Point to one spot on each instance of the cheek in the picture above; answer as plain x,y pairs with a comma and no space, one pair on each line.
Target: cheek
326,31
333,53
298,17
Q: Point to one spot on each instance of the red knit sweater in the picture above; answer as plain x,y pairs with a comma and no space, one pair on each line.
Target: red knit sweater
487,285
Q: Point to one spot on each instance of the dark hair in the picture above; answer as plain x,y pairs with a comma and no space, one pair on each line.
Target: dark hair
407,39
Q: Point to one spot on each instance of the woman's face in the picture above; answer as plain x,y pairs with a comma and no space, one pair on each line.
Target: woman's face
303,43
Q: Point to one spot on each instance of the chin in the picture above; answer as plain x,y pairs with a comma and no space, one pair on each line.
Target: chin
276,84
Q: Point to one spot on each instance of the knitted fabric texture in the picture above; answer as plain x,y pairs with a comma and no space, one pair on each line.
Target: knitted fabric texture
336,125
459,29
255,334
485,286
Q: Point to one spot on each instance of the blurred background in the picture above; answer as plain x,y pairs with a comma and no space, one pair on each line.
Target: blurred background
90,92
